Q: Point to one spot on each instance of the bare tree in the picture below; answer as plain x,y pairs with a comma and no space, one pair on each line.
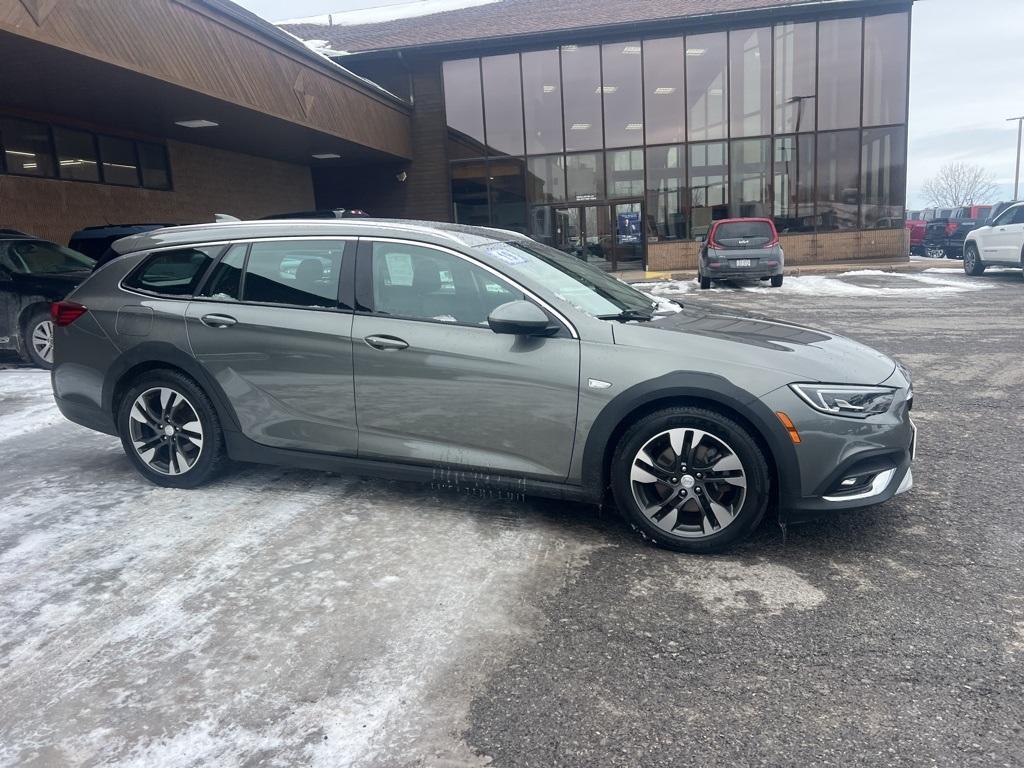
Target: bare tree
959,184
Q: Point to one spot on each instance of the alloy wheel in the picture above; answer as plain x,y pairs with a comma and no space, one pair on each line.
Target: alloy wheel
688,482
42,340
166,431
969,259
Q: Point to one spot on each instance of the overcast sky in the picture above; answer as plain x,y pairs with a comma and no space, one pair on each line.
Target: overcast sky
965,62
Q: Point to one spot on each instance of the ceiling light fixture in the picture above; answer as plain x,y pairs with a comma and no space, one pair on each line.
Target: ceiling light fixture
634,126
196,123
607,89
695,51
327,156
580,127
664,91
549,89
631,49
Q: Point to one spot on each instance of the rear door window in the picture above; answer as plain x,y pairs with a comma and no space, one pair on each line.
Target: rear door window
225,283
174,272
301,273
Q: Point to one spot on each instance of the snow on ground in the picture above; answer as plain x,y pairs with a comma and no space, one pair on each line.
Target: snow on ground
26,403
388,12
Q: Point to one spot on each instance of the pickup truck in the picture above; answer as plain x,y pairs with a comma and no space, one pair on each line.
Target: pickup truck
945,237
917,226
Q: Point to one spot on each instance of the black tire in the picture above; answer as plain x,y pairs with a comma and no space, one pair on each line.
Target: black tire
777,281
723,430
38,322
210,458
972,261
705,282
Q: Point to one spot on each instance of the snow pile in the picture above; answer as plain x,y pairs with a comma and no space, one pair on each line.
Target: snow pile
323,47
388,12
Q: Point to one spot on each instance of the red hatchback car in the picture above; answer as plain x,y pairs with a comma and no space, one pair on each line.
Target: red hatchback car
741,249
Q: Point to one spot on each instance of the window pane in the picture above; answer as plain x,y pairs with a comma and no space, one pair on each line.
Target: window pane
26,147
885,69
174,273
623,94
542,97
469,193
751,166
76,155
508,194
665,88
709,183
666,216
794,183
838,188
156,172
884,181
503,104
581,92
545,179
463,106
705,86
119,163
296,273
750,82
585,176
226,279
38,257
839,74
425,284
796,47
626,173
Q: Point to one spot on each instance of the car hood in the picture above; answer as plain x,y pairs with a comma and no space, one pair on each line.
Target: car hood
805,354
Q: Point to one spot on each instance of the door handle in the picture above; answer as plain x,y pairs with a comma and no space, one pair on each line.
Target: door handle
219,321
386,343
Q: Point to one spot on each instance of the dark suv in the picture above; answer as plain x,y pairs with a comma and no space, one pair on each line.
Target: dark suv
472,358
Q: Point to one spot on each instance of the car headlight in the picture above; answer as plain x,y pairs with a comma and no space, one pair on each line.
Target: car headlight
850,401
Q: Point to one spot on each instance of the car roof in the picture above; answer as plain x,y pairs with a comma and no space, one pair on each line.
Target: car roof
108,230
438,233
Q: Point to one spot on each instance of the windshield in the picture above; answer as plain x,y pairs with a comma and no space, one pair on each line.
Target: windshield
38,257
585,287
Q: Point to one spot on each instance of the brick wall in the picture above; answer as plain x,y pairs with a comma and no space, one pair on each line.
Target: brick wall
206,181
814,248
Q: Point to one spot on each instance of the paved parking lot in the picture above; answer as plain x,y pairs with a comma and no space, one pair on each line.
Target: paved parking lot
289,618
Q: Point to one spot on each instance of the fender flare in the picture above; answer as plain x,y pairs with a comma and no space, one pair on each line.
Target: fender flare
682,385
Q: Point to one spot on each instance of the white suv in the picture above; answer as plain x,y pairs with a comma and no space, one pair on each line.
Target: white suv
1000,242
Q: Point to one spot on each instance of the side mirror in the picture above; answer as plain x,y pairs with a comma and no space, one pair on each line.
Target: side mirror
519,318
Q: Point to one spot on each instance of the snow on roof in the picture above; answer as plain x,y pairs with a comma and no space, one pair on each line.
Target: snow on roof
389,12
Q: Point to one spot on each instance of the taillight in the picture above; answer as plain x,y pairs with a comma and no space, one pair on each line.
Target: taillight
951,227
64,313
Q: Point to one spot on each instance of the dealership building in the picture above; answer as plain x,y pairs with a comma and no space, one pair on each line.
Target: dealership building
615,131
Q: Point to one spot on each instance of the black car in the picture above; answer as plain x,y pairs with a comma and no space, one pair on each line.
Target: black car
326,213
95,241
34,273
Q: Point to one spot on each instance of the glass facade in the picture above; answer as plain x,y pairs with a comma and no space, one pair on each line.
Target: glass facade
594,147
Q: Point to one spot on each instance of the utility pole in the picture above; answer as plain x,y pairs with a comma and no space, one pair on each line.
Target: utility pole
1020,132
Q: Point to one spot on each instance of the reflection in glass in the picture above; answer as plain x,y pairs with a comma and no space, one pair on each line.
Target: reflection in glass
542,100
706,85
839,74
469,193
508,194
581,94
503,104
796,47
794,183
625,173
885,69
750,82
545,179
884,180
838,183
751,167
463,105
76,155
26,147
709,183
584,174
623,94
665,88
156,171
666,217
120,165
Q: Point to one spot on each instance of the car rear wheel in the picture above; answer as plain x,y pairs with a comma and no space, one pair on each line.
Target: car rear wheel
972,261
38,339
705,282
170,431
777,281
690,479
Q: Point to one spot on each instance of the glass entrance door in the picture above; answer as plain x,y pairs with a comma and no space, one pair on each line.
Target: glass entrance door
628,240
607,235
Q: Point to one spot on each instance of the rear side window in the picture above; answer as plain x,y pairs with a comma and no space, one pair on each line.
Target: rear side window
303,273
757,232
173,273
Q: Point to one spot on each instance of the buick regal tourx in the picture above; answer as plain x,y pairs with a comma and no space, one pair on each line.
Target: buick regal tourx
471,358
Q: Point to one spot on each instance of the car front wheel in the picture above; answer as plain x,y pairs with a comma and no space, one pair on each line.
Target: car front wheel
972,261
170,431
690,479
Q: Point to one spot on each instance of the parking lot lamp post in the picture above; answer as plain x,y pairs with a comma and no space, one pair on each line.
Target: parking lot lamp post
1016,177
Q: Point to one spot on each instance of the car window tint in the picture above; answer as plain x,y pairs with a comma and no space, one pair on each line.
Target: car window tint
174,273
744,230
1006,217
303,273
1018,215
225,281
426,284
43,258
